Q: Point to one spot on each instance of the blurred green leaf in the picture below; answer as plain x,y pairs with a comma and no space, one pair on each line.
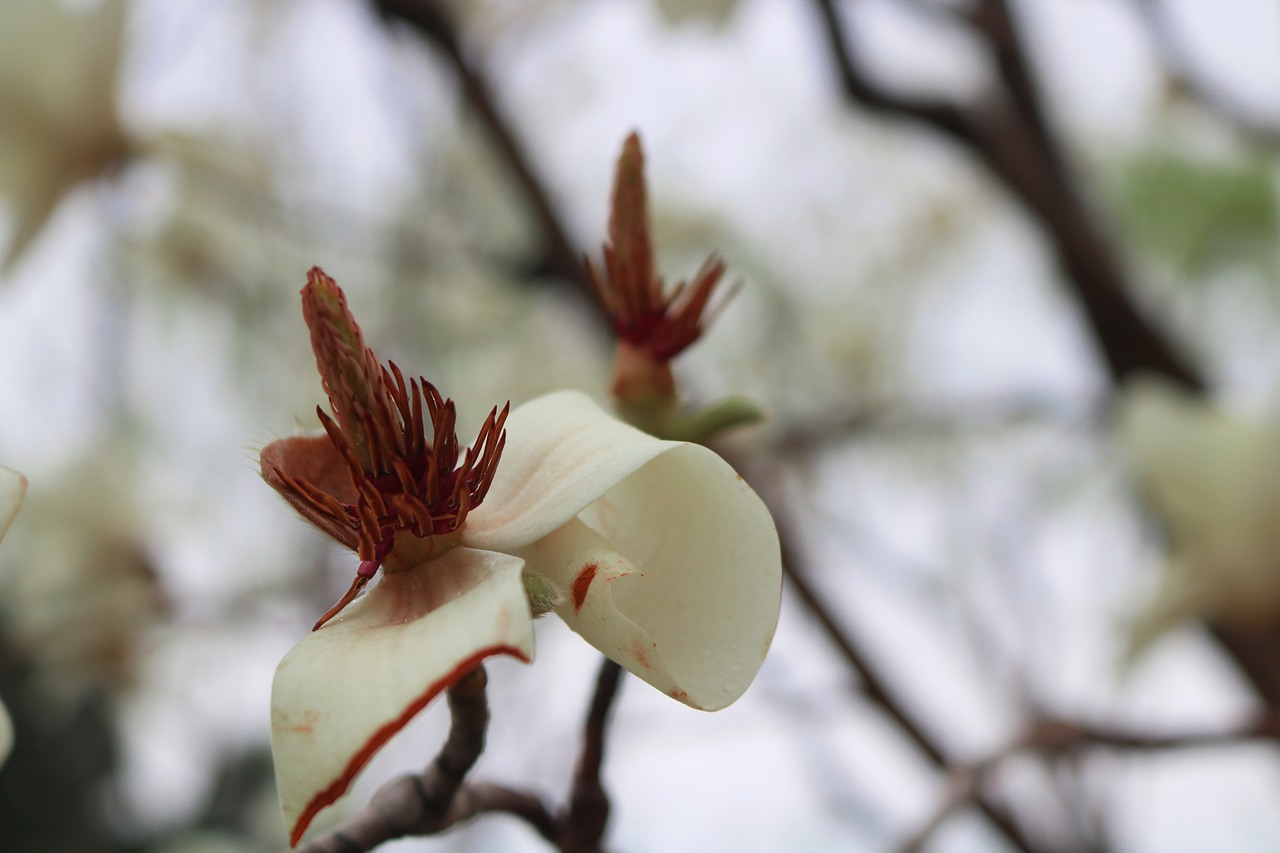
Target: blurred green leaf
1199,215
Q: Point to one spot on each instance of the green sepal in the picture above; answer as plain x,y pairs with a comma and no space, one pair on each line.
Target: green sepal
543,597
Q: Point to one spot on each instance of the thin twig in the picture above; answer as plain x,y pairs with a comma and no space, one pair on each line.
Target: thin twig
430,20
584,823
1053,738
873,688
483,797
1181,69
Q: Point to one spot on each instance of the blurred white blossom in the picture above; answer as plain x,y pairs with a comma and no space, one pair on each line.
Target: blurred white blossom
12,488
1214,480
78,590
58,75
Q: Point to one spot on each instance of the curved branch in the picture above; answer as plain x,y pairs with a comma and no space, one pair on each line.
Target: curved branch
1182,70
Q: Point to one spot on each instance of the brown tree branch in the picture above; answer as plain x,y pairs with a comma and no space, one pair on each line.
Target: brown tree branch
873,687
483,798
583,824
1016,148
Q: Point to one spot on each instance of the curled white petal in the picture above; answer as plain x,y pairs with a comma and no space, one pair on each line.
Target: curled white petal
13,487
584,567
562,452
688,571
345,689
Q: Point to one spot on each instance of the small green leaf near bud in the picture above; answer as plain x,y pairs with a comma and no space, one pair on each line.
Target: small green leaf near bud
543,597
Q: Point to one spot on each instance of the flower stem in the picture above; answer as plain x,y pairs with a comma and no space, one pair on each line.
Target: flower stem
584,824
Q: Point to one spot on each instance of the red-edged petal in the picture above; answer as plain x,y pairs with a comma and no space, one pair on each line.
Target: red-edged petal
346,689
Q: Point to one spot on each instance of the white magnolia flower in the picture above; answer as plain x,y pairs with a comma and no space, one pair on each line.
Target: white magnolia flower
654,551
58,72
13,486
1215,482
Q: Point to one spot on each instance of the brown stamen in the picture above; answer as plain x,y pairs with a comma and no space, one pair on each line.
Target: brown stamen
402,478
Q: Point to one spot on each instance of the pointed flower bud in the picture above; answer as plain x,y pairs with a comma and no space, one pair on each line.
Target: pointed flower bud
653,325
349,370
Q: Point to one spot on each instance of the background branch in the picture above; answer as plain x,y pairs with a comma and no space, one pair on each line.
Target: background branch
873,687
1181,69
1055,737
1008,135
431,21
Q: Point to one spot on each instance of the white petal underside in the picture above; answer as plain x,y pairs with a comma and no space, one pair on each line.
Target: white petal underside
696,615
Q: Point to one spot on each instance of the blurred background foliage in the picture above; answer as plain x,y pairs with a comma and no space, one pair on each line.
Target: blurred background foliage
1200,215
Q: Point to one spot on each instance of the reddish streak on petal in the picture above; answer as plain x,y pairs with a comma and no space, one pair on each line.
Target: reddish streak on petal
642,654
581,584
339,786
357,585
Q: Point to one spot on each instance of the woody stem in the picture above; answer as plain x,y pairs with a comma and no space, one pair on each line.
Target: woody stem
583,825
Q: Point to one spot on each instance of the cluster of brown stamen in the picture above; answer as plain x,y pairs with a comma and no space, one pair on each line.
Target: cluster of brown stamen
415,484
397,440
632,293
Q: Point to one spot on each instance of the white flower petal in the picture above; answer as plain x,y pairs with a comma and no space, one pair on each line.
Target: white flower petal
6,734
13,487
584,568
679,578
343,691
1201,468
1212,478
562,452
